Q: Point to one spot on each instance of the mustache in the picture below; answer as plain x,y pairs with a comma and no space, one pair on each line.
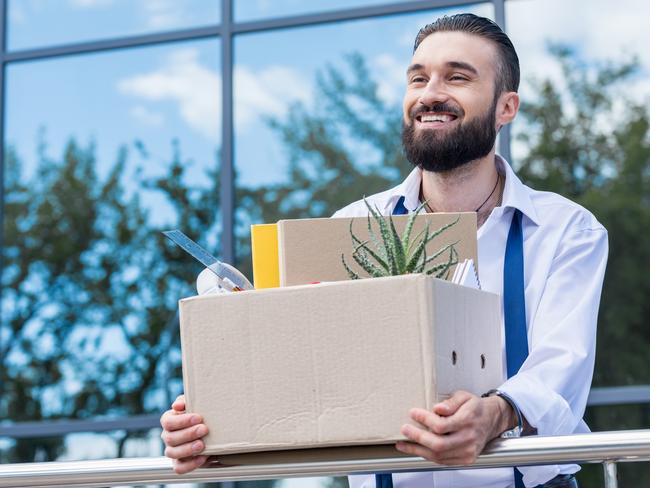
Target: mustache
437,108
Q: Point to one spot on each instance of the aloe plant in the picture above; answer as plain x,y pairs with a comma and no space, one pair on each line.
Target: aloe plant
390,254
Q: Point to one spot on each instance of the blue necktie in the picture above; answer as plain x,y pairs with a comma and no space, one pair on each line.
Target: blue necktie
514,311
514,306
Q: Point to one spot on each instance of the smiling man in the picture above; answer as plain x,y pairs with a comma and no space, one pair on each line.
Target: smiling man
544,254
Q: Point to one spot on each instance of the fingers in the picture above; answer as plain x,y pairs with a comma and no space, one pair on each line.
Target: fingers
439,444
453,403
182,466
184,436
431,421
179,404
185,450
172,421
463,418
458,458
454,449
182,433
422,437
454,433
415,450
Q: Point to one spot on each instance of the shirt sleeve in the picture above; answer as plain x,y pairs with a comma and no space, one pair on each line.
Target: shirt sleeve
552,386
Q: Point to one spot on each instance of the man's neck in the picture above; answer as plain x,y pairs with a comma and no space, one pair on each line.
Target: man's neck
463,189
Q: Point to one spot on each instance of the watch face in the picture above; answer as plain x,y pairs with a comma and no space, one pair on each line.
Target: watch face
509,434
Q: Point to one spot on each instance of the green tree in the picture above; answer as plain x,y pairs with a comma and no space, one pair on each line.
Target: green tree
86,270
587,141
339,148
580,144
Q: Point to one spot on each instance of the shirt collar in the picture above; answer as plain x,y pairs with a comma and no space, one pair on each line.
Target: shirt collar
515,193
410,190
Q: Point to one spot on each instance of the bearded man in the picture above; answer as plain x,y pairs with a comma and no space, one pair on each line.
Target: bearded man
544,254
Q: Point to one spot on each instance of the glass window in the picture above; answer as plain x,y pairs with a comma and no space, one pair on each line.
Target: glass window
318,115
582,131
246,10
103,152
41,23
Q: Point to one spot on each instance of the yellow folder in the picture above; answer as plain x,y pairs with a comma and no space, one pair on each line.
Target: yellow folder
264,249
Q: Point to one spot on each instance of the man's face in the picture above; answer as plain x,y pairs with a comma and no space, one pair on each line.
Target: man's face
450,102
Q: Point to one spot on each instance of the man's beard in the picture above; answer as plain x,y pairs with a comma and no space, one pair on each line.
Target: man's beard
443,150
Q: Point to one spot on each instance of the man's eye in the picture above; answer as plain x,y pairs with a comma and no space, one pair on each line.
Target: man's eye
418,79
458,78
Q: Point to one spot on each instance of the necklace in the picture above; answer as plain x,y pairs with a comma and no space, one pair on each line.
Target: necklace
496,184
491,193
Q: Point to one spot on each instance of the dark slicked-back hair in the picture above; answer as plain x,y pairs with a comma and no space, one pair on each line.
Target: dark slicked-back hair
508,69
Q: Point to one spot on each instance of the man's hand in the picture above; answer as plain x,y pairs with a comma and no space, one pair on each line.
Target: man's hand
456,431
182,433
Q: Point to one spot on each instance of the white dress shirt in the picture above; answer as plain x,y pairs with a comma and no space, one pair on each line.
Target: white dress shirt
565,253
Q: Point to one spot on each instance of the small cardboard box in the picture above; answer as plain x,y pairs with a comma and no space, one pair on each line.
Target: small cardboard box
333,364
310,249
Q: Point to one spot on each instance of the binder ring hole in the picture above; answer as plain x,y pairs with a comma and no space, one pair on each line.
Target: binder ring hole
482,361
454,357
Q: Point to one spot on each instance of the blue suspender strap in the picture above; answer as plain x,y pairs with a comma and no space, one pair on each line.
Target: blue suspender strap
386,480
514,306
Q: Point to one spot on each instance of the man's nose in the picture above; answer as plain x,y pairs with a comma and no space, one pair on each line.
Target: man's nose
433,93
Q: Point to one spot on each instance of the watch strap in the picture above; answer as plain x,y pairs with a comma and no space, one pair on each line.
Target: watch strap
518,429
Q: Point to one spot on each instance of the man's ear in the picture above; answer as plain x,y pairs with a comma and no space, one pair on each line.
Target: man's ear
507,108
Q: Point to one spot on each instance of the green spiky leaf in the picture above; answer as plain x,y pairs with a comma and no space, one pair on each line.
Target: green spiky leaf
390,254
351,274
364,245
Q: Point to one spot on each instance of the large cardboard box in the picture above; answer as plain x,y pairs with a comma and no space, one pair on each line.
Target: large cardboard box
333,364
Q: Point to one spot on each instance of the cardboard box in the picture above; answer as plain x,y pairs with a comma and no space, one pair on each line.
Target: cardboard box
310,249
333,364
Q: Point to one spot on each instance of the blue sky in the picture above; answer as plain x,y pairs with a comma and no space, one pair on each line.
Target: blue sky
159,93
35,23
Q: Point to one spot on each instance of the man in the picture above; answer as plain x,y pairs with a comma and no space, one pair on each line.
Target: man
543,253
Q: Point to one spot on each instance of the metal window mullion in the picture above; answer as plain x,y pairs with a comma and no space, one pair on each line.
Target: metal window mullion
54,428
234,28
3,52
348,14
226,191
504,133
90,47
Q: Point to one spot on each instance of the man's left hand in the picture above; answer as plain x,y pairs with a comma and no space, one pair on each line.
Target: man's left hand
457,429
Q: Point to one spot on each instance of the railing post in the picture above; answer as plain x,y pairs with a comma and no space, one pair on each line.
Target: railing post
611,477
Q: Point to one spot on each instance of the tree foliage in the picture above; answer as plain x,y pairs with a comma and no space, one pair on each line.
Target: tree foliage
588,142
90,290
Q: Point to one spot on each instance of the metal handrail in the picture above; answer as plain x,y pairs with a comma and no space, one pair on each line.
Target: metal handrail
597,447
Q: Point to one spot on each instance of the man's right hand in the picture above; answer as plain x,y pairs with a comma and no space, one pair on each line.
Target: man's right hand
182,434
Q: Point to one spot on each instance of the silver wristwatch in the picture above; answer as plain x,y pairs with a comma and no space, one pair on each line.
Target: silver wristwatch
517,431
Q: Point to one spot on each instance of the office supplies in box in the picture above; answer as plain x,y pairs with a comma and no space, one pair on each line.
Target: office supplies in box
301,251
